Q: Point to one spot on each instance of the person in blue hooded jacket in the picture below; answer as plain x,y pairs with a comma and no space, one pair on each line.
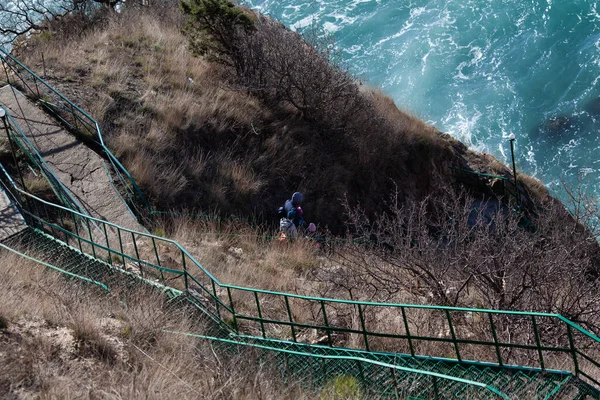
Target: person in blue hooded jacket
294,209
294,216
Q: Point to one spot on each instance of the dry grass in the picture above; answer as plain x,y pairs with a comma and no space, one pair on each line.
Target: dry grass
38,186
62,340
192,140
239,254
536,187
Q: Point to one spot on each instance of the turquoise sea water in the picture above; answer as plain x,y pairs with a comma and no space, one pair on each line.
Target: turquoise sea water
479,70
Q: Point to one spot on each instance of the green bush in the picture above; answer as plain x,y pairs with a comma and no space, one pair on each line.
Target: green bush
213,26
342,387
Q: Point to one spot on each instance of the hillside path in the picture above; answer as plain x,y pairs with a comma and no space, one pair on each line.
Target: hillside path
78,167
11,221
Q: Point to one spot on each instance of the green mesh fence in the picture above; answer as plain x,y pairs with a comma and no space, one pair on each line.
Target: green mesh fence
354,375
475,340
530,355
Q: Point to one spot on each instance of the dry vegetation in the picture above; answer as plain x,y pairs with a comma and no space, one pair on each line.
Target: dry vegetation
239,254
196,137
62,340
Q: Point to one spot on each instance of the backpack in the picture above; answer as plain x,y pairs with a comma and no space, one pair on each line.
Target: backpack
281,213
288,228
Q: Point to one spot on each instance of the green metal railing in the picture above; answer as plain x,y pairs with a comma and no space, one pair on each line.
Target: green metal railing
378,378
466,335
507,184
521,341
18,141
78,121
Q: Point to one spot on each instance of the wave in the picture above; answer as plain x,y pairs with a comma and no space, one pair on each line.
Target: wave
480,70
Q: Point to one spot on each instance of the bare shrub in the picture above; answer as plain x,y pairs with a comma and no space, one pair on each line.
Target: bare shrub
464,251
199,136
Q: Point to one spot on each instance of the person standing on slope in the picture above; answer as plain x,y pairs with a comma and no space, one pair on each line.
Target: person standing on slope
293,216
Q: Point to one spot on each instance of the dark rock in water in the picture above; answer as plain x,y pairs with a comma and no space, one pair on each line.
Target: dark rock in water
593,107
556,127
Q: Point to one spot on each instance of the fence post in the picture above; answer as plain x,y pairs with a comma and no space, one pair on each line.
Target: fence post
158,260
537,341
185,274
262,324
137,254
495,336
121,247
289,311
410,345
107,244
235,325
453,335
327,328
217,299
77,232
75,119
87,221
362,323
573,349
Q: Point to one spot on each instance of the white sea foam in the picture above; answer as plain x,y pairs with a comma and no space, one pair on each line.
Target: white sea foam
304,22
330,27
461,122
476,56
530,158
415,12
424,59
342,19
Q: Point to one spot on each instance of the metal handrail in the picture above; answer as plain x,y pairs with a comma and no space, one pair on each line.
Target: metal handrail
224,308
389,366
31,152
79,115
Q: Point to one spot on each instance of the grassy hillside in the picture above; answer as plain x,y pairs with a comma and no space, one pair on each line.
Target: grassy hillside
196,138
59,340
199,136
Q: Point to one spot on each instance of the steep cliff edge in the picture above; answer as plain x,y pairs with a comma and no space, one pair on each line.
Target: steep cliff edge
197,138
